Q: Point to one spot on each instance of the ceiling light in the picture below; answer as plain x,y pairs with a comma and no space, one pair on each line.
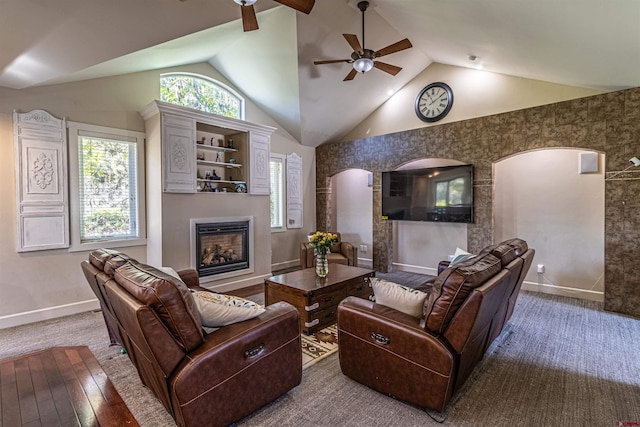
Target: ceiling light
363,64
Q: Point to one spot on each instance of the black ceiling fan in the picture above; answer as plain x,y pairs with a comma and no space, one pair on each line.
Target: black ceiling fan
363,59
249,20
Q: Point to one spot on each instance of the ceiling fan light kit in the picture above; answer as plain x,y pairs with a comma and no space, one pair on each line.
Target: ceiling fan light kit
363,59
363,65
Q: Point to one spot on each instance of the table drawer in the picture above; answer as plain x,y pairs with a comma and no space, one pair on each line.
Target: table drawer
319,319
360,288
319,302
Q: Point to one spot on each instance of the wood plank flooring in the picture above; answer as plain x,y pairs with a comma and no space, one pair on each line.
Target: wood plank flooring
59,386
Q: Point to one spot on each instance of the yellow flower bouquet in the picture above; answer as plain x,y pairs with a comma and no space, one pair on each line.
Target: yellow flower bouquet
321,241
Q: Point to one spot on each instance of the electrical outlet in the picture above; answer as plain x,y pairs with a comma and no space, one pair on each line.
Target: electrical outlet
540,268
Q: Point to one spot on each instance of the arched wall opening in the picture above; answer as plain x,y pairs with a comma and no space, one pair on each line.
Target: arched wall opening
542,197
352,205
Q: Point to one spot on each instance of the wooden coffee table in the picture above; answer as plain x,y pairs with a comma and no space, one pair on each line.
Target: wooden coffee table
317,298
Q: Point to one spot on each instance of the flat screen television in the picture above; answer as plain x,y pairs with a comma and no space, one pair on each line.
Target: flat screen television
440,194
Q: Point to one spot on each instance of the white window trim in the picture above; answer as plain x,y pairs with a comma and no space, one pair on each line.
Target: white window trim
283,159
214,82
75,130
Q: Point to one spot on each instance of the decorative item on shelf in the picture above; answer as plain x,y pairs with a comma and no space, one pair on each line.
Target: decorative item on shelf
201,141
230,178
217,157
221,142
321,243
211,142
224,190
200,156
230,143
232,160
207,174
214,175
241,187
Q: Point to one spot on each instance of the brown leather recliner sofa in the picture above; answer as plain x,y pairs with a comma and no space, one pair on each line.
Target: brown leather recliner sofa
425,360
201,378
340,253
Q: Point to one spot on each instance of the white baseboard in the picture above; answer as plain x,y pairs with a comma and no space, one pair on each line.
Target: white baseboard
415,269
48,313
285,264
238,284
365,262
546,288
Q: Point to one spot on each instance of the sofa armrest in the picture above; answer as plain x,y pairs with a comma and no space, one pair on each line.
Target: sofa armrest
442,266
406,334
259,359
190,278
350,252
390,352
307,259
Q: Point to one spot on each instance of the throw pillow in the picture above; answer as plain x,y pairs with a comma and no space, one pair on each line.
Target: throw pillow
398,297
170,271
219,310
459,256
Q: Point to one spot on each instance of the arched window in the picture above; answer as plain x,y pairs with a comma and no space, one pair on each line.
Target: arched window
201,93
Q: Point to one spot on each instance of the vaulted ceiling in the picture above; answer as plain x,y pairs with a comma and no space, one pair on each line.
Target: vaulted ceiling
586,43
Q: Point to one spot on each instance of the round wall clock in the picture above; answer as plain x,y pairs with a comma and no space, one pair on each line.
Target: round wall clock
434,102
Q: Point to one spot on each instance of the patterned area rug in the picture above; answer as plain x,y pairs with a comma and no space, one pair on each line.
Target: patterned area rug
319,345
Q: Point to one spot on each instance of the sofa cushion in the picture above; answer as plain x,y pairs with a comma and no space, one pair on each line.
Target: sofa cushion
169,297
115,262
452,287
218,310
398,297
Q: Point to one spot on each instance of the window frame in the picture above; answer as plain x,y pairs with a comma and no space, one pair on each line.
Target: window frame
76,130
214,82
283,180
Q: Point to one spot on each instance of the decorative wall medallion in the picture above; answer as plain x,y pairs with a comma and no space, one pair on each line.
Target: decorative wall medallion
261,163
42,171
179,155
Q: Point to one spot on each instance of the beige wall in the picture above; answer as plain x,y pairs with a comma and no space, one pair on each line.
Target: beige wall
475,94
541,195
47,284
353,201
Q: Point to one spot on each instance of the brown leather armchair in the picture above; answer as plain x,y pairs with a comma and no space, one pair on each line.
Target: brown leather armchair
341,253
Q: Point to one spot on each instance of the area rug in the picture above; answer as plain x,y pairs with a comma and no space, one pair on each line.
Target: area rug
319,345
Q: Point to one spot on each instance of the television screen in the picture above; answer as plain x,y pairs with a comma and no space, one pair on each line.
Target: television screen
442,194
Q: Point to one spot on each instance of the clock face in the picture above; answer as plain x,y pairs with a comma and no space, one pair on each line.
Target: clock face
434,102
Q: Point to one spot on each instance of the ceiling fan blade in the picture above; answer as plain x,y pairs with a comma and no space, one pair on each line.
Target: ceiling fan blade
351,75
387,68
352,39
249,20
331,61
303,6
393,48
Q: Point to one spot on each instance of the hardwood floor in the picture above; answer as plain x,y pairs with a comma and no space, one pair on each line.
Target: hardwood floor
61,386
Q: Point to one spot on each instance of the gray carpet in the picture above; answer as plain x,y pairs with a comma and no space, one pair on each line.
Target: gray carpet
559,362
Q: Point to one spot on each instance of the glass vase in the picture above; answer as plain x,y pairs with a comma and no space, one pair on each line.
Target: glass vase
322,265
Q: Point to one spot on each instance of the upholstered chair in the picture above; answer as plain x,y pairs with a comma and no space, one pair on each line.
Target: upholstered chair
341,253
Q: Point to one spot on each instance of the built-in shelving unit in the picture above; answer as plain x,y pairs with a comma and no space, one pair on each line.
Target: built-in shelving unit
207,153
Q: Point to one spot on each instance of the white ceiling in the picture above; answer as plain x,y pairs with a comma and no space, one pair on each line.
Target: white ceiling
588,43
